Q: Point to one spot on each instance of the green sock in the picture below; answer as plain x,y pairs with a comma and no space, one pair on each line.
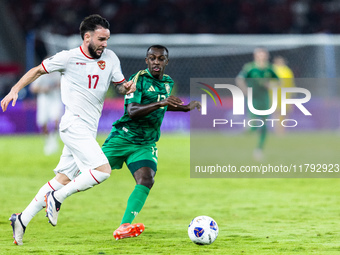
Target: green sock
135,203
263,135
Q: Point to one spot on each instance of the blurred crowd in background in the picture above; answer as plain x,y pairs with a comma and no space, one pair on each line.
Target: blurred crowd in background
23,44
164,17
183,16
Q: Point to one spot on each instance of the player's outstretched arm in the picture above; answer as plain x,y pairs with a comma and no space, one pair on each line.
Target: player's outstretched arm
136,110
186,108
125,88
29,77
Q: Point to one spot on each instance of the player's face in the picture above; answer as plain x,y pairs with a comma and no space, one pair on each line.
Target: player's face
279,61
98,42
261,56
156,60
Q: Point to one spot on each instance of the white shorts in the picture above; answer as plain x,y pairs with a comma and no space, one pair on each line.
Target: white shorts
81,150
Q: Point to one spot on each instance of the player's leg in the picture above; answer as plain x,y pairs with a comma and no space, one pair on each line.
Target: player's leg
260,104
258,152
144,178
143,165
263,136
44,129
54,114
38,202
42,117
65,171
144,181
42,121
20,221
91,161
86,180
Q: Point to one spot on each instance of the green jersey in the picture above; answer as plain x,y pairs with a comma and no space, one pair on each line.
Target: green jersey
257,78
145,130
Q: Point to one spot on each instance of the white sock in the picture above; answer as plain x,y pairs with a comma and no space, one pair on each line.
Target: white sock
86,180
38,202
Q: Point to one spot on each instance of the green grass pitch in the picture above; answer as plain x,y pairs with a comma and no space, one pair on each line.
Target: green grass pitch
255,216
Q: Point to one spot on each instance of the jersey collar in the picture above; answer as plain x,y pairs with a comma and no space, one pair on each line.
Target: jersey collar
84,53
147,70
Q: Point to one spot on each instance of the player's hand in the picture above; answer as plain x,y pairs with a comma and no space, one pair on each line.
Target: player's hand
194,104
130,87
11,96
172,101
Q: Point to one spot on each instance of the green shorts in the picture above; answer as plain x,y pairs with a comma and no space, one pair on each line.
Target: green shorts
119,150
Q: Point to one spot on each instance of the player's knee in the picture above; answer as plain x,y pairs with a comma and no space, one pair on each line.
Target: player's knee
106,168
62,179
146,181
145,176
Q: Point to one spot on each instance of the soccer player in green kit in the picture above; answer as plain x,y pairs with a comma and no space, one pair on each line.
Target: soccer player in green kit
260,76
133,137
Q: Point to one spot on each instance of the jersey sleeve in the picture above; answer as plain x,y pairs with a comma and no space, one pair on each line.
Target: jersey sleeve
56,63
117,74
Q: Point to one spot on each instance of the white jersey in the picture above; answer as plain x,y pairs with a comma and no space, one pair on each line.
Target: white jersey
84,83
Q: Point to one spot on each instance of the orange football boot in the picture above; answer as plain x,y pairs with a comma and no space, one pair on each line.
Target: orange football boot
128,230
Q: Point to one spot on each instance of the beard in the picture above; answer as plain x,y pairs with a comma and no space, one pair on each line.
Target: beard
93,52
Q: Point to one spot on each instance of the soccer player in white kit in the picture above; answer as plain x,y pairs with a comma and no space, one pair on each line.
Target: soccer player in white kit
49,108
86,73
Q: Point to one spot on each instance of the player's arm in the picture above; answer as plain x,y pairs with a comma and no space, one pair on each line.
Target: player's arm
185,108
125,87
241,83
136,110
28,78
274,82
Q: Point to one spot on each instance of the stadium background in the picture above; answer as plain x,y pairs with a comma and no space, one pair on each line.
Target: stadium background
206,39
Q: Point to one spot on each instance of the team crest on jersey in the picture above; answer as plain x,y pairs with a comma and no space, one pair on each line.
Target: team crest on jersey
101,64
167,87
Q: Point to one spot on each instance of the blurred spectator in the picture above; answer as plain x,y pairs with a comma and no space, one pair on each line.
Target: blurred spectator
286,76
49,109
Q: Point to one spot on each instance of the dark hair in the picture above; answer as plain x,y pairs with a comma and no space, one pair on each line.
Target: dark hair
157,46
91,23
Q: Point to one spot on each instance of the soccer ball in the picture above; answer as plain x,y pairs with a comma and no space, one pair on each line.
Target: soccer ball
203,230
